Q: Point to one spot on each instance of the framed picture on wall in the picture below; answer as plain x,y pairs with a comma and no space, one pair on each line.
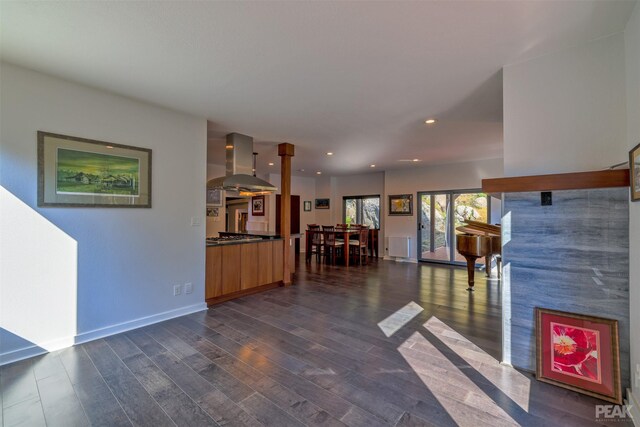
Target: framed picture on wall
322,203
579,352
634,173
257,206
214,197
401,204
79,172
307,205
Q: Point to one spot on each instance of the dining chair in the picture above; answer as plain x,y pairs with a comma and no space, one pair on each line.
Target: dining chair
360,247
316,241
331,245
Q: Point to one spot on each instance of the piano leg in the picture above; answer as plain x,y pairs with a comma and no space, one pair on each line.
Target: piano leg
471,270
487,265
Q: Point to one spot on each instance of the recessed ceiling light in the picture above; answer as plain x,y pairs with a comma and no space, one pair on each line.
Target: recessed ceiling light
372,166
329,153
415,160
318,173
430,121
270,163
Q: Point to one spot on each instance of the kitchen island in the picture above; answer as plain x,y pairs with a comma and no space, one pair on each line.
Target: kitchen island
242,267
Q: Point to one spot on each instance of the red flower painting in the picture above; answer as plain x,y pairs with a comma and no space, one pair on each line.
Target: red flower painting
575,352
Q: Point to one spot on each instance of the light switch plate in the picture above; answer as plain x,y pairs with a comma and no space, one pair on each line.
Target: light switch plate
188,288
196,221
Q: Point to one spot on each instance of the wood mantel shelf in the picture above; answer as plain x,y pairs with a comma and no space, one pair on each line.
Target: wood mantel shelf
562,181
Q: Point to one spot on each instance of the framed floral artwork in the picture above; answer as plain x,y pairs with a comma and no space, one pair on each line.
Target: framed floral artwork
257,206
634,173
579,352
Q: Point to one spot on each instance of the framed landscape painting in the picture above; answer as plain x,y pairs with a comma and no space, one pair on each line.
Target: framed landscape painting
579,352
401,204
322,203
78,172
634,172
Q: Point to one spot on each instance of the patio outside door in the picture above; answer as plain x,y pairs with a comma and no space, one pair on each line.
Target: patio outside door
439,215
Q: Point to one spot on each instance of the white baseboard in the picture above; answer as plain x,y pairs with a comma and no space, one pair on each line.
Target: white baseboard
58,344
398,259
635,408
138,323
35,350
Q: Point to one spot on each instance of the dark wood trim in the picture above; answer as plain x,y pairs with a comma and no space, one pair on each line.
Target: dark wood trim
241,293
285,151
563,181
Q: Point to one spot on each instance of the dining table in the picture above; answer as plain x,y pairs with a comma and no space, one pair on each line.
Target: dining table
344,232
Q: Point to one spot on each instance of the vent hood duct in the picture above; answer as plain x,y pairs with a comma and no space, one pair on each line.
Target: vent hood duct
239,177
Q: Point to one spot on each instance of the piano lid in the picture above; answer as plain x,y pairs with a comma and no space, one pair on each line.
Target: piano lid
480,228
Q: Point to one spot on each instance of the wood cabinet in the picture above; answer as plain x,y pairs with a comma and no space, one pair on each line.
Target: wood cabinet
231,267
236,270
265,261
213,272
249,272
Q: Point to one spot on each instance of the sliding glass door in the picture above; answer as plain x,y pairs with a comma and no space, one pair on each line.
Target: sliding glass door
439,215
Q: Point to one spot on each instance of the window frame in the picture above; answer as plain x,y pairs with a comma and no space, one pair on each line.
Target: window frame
359,199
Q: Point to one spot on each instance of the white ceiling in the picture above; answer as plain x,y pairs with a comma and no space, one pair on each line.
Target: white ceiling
355,78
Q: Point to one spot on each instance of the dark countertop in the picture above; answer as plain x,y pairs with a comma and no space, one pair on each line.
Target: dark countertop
263,234
237,242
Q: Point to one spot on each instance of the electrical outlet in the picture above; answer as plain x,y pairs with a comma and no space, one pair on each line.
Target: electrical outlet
188,288
177,289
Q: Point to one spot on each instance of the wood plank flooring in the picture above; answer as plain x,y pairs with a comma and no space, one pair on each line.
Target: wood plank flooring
388,344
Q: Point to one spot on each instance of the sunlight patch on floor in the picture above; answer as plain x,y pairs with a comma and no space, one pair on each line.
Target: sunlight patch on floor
401,317
508,380
464,401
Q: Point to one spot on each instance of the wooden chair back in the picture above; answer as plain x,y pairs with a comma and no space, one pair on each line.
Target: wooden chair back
329,237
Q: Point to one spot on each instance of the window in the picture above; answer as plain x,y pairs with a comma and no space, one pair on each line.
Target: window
363,210
439,215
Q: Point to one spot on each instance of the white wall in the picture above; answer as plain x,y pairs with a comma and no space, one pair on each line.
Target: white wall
454,176
565,112
324,189
120,264
632,53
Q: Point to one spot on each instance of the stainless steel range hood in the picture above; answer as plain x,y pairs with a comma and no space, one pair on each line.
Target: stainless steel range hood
239,177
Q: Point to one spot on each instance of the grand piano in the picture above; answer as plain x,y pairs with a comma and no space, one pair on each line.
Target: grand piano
479,240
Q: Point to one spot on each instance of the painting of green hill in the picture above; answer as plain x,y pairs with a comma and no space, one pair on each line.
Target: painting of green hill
84,172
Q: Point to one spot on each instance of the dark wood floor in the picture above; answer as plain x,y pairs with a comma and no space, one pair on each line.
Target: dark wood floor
386,344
